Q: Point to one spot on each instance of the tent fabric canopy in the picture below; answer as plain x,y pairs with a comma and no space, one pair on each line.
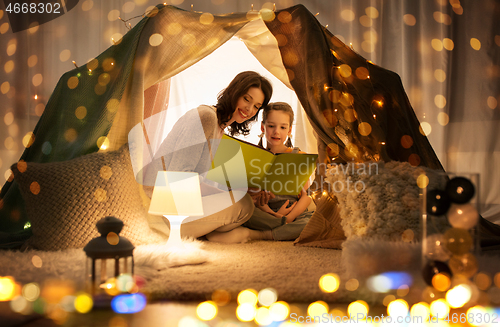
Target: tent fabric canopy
358,110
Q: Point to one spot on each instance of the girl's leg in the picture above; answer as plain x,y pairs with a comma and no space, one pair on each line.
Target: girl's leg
262,221
291,231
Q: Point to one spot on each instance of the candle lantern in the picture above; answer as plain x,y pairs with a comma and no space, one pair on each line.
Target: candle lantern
110,261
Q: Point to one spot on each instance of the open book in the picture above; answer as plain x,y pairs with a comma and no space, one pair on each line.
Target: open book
239,164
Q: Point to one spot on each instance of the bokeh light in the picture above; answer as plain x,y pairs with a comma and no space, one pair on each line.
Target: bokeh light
246,311
425,128
440,101
352,284
317,308
128,303
437,44
206,18
479,311
207,310
248,296
83,302
458,241
441,282
267,296
409,20
155,40
443,118
31,291
64,55
475,44
329,283
279,311
348,15
221,297
439,308
483,281
87,5
358,309
398,308
420,309
7,288
458,296
262,317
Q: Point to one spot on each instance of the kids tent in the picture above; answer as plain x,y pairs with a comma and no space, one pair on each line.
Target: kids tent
359,111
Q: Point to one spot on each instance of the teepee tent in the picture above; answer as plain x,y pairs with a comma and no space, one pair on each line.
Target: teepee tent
358,111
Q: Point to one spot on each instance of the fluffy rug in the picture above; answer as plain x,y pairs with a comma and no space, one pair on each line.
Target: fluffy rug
199,270
203,267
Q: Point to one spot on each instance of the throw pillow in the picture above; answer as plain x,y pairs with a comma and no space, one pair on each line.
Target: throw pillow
64,200
380,200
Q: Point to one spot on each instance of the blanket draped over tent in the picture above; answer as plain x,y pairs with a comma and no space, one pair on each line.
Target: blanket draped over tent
359,111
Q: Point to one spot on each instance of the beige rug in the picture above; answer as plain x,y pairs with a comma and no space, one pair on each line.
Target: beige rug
293,271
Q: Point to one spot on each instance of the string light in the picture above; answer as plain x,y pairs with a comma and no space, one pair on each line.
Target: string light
192,6
74,63
317,14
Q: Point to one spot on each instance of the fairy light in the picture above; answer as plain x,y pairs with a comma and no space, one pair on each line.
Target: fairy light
458,296
329,283
36,97
74,63
317,14
207,310
397,308
248,296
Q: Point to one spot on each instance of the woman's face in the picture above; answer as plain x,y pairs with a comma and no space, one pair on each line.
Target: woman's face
248,105
277,127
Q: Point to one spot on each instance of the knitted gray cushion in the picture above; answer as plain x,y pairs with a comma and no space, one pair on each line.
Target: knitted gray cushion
64,200
380,200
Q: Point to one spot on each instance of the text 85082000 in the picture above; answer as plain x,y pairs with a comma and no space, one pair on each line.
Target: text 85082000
34,8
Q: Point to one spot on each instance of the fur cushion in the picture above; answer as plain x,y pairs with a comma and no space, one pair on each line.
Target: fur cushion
380,200
64,200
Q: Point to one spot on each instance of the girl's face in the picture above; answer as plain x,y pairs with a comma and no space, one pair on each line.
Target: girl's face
277,127
248,105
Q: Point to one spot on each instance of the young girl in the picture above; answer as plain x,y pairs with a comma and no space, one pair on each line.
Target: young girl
284,217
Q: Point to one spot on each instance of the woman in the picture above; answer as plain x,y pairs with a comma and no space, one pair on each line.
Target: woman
191,145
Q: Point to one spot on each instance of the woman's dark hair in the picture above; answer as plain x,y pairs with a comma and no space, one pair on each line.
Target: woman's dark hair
227,99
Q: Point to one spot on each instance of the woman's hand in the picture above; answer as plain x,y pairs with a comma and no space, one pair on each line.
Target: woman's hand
260,197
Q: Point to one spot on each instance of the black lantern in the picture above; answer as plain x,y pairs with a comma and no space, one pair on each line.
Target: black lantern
109,257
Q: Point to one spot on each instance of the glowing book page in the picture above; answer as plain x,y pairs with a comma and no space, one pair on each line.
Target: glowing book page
239,164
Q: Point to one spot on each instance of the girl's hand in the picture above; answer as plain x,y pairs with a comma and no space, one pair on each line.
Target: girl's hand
260,197
283,211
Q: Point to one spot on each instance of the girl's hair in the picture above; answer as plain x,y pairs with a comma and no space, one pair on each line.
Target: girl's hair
281,106
228,98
